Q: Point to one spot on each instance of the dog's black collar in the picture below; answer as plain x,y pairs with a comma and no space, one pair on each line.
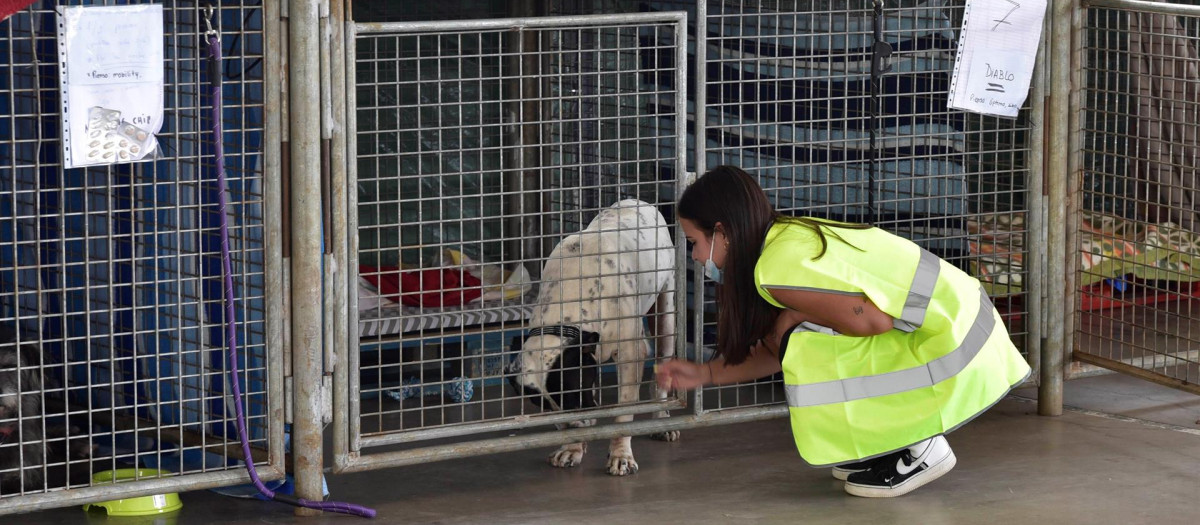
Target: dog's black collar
564,331
572,333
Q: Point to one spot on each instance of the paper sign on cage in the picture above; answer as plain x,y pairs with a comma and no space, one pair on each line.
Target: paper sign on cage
111,80
997,49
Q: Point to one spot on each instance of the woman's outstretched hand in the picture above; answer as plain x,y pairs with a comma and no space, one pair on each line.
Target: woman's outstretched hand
682,375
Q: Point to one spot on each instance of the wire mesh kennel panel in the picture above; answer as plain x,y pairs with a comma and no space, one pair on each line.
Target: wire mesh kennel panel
1138,231
110,280
785,96
509,175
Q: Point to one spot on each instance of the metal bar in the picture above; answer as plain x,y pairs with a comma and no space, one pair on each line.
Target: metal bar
517,423
1140,372
174,435
517,23
329,261
1079,369
305,76
143,487
273,78
1144,6
509,444
681,174
339,13
285,196
701,163
1057,122
348,408
1074,183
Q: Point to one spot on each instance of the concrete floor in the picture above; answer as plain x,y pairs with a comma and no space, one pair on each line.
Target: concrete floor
1014,467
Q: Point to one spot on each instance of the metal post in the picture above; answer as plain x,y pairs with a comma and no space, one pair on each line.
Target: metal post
1057,164
346,390
304,84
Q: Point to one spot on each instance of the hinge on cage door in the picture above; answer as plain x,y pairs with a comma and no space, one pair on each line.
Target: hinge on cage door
327,399
325,393
285,180
511,122
326,197
288,393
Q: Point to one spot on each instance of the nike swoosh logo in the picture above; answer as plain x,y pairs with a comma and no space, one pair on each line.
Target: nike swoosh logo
904,469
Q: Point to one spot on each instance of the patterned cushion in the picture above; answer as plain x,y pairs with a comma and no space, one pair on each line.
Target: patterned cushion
1110,247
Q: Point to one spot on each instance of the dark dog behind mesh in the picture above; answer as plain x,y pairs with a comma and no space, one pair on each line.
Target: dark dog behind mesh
34,445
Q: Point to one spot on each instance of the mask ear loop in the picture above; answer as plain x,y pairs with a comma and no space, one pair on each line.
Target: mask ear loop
712,245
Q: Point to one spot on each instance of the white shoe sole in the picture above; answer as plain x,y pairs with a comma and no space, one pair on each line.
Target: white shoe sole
912,484
842,474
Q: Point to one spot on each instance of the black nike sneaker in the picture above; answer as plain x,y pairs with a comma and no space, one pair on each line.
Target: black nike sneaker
844,470
908,470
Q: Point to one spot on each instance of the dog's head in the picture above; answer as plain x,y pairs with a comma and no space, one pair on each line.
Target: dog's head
556,371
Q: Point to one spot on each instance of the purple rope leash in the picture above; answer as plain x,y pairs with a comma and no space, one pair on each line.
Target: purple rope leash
214,75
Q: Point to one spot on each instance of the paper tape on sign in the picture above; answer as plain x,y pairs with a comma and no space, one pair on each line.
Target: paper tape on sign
997,48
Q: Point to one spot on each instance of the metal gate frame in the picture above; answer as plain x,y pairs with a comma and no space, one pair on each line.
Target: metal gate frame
348,445
1079,362
1036,202
270,464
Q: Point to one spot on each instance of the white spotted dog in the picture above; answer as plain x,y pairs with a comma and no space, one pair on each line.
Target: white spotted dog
597,286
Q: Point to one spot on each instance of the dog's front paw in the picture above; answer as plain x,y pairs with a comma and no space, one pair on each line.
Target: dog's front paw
672,435
568,455
622,465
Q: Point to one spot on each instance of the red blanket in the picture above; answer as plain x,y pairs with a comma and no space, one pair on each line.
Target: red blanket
8,7
425,288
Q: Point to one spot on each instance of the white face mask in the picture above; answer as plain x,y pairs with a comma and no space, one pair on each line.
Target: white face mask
710,268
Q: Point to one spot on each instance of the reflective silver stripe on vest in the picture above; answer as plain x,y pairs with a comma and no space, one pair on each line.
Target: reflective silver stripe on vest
936,371
919,293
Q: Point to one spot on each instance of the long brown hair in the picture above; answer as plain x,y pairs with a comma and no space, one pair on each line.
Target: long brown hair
730,196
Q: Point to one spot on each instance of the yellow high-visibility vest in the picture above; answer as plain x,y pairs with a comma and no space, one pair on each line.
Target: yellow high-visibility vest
948,359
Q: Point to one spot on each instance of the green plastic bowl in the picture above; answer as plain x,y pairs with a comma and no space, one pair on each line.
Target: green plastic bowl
140,506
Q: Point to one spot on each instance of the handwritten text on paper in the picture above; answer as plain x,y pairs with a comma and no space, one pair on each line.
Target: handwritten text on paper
996,54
